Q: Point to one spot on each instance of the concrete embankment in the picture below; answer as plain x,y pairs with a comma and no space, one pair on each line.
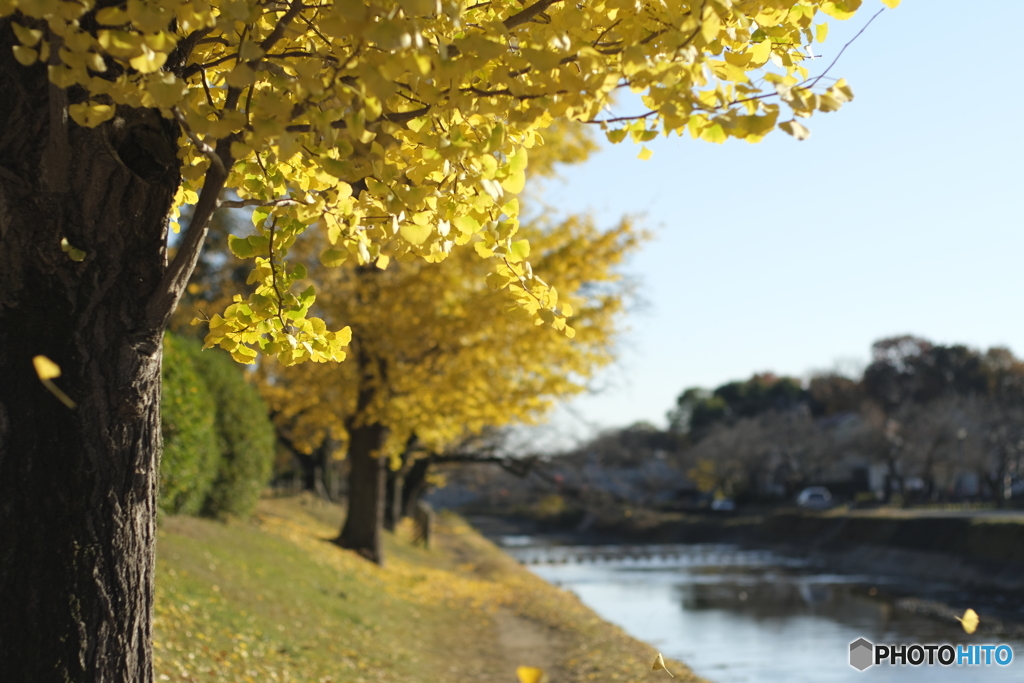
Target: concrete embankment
981,552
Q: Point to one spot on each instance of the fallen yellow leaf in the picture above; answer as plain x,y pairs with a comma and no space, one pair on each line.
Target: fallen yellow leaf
47,371
659,664
530,674
969,621
45,368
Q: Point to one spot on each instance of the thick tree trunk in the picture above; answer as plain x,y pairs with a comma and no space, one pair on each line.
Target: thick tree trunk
367,477
78,486
367,468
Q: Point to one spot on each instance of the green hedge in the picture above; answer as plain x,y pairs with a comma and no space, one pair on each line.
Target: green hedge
188,418
246,435
218,439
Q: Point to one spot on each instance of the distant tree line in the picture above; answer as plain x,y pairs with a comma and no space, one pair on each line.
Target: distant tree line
922,423
925,422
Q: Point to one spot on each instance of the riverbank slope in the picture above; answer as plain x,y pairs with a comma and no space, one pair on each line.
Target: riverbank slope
274,600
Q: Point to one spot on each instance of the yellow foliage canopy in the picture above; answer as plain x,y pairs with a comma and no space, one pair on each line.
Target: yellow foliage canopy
401,128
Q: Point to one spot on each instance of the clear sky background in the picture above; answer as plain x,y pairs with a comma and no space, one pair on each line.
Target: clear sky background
901,214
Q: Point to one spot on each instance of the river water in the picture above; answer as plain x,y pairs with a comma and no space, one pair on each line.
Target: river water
752,616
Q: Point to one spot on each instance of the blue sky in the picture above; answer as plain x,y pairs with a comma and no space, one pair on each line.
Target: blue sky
900,214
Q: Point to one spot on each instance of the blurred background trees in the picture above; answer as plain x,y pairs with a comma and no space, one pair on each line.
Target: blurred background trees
425,391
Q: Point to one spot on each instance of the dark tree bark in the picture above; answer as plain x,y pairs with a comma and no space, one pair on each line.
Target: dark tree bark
367,476
367,473
395,482
78,486
394,504
415,485
312,465
308,464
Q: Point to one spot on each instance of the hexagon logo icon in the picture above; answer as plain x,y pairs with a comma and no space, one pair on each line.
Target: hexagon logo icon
861,654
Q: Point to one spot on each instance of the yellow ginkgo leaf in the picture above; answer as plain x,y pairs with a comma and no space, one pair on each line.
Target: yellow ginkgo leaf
415,234
969,621
530,674
659,665
91,114
45,368
48,371
25,55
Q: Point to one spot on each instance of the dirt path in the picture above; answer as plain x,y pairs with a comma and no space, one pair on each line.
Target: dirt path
524,642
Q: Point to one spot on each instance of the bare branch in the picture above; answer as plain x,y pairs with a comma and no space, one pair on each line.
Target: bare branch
848,44
637,117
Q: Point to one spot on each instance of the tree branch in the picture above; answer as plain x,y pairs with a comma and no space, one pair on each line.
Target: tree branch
201,145
242,203
172,285
282,26
637,117
528,13
396,117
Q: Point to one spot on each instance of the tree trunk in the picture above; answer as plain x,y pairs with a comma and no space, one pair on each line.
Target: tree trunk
78,485
367,473
308,467
367,477
393,498
415,485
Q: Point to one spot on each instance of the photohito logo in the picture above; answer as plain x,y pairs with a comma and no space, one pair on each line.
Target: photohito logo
864,653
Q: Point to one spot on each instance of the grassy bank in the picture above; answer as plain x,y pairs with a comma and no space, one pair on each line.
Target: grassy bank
273,600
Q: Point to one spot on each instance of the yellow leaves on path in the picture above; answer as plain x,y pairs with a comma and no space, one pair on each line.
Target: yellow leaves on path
291,607
530,674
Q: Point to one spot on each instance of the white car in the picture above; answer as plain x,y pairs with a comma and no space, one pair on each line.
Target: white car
814,498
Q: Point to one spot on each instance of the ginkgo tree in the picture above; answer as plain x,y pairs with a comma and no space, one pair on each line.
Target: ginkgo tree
397,128
437,358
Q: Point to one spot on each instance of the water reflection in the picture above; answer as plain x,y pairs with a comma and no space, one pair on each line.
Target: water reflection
742,616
